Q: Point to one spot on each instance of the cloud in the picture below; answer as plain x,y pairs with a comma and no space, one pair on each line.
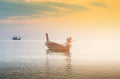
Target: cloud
99,4
18,9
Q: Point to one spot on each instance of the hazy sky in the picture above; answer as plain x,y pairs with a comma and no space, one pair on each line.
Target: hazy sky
81,19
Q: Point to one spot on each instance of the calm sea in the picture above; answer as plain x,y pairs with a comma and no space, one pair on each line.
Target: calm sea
88,59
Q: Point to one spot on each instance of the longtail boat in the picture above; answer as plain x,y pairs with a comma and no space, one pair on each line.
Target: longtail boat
53,46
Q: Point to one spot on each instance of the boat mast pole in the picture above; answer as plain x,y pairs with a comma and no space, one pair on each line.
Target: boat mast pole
47,38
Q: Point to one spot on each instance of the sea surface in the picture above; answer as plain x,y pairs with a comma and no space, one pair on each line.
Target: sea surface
88,59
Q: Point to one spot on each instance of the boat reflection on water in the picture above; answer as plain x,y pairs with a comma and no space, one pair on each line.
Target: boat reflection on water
66,53
59,63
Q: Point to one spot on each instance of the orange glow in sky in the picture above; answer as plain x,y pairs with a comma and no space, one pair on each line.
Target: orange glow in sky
88,18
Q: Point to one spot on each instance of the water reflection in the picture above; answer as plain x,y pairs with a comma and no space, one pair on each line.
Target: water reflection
63,62
68,54
29,60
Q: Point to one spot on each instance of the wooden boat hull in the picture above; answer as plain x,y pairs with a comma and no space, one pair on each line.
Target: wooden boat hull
16,39
49,52
57,47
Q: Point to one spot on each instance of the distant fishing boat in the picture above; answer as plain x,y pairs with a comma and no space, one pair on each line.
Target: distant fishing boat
16,38
58,47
